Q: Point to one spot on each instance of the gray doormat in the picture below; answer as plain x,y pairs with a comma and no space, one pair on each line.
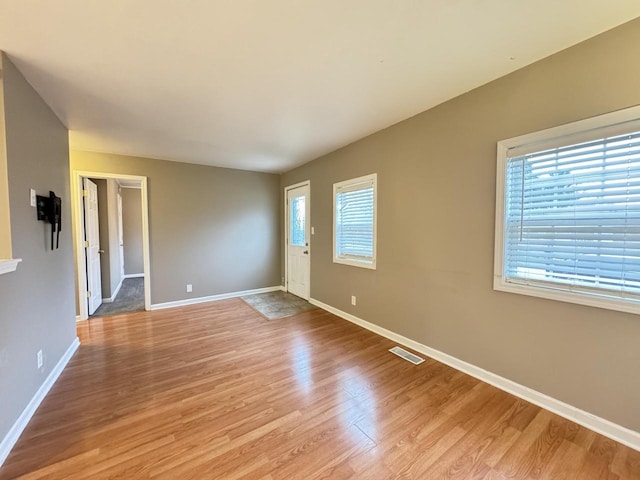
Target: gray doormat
275,305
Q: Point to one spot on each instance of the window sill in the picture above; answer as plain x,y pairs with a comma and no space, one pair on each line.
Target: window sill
7,266
563,295
356,263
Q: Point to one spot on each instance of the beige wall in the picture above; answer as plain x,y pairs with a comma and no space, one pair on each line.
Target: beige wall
37,300
436,181
215,228
132,230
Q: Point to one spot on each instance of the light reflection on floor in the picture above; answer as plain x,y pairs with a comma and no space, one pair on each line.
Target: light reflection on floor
358,405
301,361
362,411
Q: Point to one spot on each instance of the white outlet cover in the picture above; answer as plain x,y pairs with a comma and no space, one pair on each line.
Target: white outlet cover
313,231
189,288
32,197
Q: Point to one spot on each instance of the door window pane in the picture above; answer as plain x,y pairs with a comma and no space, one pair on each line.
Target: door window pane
297,222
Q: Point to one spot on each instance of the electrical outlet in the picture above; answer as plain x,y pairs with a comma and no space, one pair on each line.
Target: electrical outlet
32,197
313,231
189,288
353,299
40,361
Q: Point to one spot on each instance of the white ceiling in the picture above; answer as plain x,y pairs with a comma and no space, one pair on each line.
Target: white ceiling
269,85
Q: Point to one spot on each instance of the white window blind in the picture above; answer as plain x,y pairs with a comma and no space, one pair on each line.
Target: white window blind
354,215
572,218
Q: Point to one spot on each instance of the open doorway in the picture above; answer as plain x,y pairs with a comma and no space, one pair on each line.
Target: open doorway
111,237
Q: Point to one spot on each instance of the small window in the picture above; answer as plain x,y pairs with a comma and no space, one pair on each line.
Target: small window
568,213
354,222
297,221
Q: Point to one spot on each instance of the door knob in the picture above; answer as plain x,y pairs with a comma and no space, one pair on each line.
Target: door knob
306,252
100,251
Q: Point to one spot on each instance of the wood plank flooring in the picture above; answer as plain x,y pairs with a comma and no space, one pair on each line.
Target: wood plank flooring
216,391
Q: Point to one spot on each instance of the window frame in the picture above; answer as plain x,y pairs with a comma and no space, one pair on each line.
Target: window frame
8,264
365,179
618,122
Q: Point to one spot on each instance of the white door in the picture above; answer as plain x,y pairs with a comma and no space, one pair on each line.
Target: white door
92,244
120,236
298,261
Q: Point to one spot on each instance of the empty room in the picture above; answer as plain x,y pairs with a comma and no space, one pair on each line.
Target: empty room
301,240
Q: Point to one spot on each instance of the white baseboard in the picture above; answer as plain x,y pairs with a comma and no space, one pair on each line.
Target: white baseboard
616,432
20,424
212,298
134,275
115,293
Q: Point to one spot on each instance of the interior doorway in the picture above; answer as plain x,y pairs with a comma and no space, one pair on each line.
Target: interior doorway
298,239
112,250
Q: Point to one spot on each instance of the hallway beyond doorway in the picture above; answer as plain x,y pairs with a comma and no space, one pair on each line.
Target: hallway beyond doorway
130,298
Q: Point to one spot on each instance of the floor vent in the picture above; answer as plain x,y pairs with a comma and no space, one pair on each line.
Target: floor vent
408,356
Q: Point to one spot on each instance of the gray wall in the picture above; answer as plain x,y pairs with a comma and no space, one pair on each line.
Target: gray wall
215,228
436,180
132,230
37,300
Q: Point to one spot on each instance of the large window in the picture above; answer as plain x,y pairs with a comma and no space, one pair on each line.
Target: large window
568,213
354,222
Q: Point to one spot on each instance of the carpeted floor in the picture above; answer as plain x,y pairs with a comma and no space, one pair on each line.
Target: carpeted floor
130,298
275,305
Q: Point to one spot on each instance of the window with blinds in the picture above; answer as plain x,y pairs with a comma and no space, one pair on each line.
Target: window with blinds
571,218
355,222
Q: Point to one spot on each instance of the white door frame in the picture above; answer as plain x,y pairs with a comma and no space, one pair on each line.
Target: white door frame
78,234
306,183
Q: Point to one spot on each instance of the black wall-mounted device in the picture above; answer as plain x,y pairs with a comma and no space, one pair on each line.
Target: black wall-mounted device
50,210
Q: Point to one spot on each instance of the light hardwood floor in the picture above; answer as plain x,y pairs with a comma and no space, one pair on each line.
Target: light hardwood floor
216,391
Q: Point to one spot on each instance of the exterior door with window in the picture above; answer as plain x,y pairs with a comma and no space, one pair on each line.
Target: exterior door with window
298,252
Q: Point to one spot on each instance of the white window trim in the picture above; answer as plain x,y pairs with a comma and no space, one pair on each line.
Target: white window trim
7,266
7,262
621,121
353,182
